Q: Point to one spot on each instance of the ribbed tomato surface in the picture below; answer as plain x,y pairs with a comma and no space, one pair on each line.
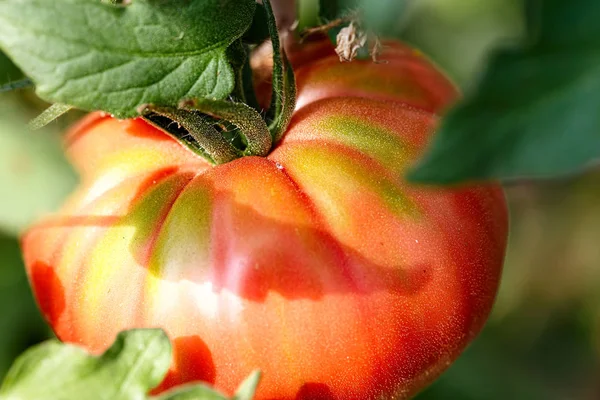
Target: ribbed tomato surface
319,264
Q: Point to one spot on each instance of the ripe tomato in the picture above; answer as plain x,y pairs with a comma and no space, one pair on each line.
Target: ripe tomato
318,264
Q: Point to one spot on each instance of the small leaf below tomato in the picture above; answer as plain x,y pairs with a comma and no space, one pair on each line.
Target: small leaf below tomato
133,365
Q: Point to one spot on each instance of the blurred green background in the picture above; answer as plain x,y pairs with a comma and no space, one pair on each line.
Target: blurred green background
543,339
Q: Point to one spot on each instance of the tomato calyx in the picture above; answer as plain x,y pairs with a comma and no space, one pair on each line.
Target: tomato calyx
192,130
247,120
223,130
219,131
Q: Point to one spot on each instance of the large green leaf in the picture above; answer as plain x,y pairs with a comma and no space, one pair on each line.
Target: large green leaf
94,55
536,112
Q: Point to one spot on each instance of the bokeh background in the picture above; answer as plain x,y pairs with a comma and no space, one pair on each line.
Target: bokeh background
543,339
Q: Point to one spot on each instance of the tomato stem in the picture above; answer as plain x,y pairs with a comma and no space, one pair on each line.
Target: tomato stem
283,98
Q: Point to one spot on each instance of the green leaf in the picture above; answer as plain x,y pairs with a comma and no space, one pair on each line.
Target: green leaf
134,364
34,174
94,55
536,112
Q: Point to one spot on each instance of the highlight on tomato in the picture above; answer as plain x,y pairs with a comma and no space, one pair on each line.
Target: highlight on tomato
318,264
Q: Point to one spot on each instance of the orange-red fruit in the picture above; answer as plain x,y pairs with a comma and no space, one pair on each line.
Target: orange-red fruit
319,264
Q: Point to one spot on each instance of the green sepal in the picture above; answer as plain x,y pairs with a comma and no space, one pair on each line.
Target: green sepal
245,118
197,134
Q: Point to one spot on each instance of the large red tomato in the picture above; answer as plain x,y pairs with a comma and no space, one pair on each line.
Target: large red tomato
319,264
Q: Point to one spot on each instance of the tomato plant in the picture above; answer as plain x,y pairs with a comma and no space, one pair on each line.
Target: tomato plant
317,264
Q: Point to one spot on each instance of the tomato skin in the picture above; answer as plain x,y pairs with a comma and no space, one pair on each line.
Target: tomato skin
318,264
